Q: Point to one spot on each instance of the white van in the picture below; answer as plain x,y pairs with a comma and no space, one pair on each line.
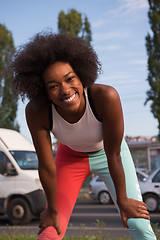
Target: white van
21,193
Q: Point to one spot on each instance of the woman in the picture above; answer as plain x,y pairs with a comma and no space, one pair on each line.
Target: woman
57,73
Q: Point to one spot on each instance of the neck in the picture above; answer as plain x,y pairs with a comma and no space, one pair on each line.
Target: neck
72,116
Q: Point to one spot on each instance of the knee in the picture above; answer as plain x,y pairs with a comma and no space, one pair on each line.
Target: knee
137,224
141,229
50,233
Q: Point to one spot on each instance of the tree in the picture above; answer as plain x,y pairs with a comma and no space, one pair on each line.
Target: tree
8,104
153,51
75,23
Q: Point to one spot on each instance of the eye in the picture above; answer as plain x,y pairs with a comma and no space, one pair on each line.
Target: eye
70,78
53,87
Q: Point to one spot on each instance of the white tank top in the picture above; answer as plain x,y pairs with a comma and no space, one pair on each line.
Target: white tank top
82,136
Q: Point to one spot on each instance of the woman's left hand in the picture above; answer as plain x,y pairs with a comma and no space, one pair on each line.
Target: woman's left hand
133,209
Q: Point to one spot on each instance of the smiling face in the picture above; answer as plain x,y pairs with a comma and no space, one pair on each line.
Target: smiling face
64,88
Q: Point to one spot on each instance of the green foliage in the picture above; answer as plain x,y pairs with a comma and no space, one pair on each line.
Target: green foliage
34,237
14,235
93,238
153,51
97,234
8,104
81,235
74,23
156,229
18,237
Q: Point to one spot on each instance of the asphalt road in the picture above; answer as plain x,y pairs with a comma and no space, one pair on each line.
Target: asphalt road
86,218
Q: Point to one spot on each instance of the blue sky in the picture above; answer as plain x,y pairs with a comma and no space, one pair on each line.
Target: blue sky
118,29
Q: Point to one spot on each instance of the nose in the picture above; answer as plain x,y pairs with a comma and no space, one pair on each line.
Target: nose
65,89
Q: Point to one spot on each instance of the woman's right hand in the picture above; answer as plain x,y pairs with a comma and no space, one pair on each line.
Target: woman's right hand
49,219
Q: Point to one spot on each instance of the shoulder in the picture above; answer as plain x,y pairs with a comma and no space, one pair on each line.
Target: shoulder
104,98
35,107
37,114
103,92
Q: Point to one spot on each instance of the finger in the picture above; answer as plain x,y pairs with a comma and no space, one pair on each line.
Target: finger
143,214
142,204
41,224
142,208
143,211
146,216
125,224
58,230
124,220
41,230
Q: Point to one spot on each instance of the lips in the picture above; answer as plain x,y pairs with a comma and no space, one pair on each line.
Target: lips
70,99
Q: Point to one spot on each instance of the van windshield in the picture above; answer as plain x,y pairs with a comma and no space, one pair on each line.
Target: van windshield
27,160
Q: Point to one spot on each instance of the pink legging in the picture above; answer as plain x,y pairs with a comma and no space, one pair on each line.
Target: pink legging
73,168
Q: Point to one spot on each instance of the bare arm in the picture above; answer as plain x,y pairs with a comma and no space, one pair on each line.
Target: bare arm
113,129
38,124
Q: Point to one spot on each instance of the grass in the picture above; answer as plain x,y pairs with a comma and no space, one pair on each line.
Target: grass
82,235
4,236
34,237
94,238
156,229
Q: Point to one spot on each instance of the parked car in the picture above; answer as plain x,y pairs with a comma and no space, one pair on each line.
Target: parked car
99,191
150,189
141,174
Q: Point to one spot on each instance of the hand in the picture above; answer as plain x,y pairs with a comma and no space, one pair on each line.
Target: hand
133,209
49,219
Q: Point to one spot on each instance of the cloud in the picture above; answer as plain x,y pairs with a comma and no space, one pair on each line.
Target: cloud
115,77
134,6
119,79
130,8
101,1
107,48
139,62
101,36
98,24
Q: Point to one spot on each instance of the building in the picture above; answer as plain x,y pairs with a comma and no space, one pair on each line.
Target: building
146,153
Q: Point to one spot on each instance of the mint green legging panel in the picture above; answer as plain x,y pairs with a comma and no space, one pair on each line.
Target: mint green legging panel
139,228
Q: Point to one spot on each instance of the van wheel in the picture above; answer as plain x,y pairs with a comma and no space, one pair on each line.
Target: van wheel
18,211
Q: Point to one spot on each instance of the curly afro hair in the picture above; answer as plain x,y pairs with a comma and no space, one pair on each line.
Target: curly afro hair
43,49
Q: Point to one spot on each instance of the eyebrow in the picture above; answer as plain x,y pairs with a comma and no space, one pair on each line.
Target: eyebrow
67,74
49,82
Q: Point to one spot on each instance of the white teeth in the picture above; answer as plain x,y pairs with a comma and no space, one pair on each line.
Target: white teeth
70,99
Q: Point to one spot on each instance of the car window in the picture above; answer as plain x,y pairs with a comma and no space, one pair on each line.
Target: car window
4,163
27,160
157,177
99,179
140,177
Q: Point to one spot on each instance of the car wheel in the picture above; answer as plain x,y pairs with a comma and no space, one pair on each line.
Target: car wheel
104,198
151,202
18,211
